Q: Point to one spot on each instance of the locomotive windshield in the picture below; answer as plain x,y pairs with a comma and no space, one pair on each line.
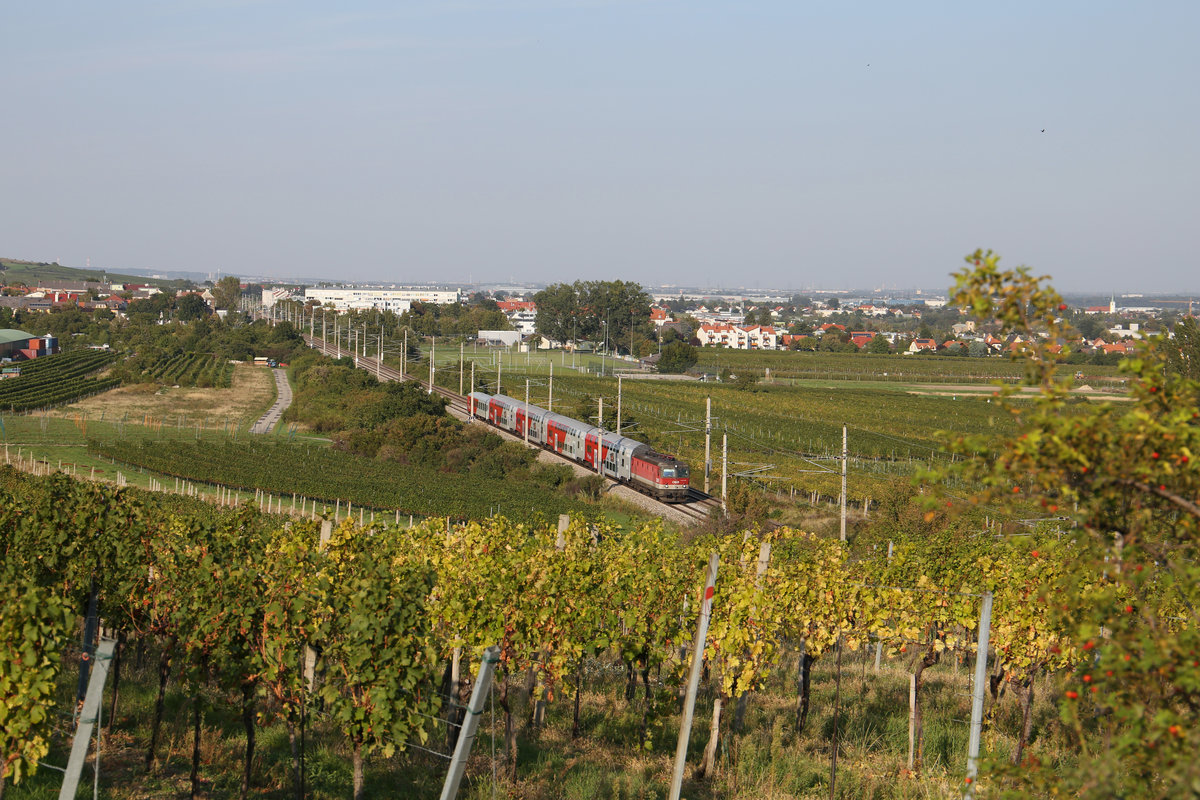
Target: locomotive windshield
675,472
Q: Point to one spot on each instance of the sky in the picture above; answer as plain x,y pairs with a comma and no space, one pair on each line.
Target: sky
753,144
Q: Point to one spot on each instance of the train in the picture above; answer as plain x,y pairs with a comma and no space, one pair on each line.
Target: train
612,455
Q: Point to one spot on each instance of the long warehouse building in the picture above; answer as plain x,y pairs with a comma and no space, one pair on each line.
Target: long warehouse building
397,300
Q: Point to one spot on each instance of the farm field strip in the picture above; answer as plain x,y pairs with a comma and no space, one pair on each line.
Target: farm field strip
53,380
316,471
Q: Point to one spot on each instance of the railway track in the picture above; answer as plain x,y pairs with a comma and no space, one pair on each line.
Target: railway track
698,508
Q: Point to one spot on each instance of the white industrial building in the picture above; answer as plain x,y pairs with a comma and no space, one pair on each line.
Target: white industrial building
397,300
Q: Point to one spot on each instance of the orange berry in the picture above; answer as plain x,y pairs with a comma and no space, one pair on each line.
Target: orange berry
1128,609
1087,678
1072,694
1095,689
1088,645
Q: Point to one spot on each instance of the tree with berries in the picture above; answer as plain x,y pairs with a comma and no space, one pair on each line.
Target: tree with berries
1123,478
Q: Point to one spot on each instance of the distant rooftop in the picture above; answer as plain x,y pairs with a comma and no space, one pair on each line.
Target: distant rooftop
9,335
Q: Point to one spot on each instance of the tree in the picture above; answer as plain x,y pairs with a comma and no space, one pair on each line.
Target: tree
801,327
677,357
227,292
190,307
1124,479
805,343
833,303
879,344
1182,352
593,310
558,311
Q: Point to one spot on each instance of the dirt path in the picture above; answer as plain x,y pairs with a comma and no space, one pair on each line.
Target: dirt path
983,390
283,399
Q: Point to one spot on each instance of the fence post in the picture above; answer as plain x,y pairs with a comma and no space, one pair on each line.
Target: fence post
466,737
689,703
985,625
89,717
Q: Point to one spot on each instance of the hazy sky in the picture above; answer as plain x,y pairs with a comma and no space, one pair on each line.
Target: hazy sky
754,143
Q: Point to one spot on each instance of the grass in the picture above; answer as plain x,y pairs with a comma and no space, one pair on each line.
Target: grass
251,394
766,760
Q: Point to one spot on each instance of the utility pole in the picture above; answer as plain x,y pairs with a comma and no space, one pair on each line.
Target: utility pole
707,440
550,404
472,375
461,367
432,352
526,426
724,470
844,482
618,405
499,369
404,355
600,421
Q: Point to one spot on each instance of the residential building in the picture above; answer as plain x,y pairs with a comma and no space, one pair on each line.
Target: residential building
739,337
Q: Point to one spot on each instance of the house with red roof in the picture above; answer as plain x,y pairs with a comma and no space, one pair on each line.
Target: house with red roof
921,345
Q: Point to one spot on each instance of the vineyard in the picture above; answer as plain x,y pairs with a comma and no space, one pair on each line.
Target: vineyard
593,623
230,601
895,368
55,380
795,431
191,369
315,471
